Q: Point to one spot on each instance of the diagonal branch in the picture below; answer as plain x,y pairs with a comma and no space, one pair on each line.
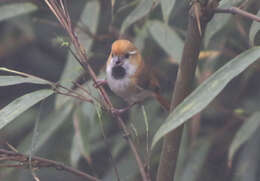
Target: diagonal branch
38,162
60,11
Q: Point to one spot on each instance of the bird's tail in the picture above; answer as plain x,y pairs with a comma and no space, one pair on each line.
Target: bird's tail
165,103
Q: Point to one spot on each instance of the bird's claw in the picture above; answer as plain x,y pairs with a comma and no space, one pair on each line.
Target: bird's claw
119,111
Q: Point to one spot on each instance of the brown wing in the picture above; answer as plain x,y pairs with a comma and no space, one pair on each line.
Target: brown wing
147,80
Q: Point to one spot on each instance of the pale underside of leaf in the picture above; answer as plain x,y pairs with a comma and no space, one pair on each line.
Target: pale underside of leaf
21,104
139,12
13,80
16,9
167,6
167,38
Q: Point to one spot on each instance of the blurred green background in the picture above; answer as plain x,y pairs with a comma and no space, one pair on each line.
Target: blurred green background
70,131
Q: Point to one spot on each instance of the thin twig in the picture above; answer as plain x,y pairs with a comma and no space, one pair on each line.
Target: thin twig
70,93
57,87
83,60
106,142
38,162
237,11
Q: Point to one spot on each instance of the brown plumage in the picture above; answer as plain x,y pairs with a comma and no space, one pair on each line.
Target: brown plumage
129,77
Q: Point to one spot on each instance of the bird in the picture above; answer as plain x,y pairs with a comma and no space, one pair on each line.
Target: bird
129,77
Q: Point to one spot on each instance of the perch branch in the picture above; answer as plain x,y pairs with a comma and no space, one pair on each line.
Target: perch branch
38,162
62,15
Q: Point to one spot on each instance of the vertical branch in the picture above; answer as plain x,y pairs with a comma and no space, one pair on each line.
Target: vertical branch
183,87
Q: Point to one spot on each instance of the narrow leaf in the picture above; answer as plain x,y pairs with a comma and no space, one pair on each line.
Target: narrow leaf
21,104
75,152
247,164
15,9
195,162
167,38
244,133
207,91
215,25
167,6
13,80
254,29
183,153
46,128
139,12
229,3
73,69
22,78
81,134
219,20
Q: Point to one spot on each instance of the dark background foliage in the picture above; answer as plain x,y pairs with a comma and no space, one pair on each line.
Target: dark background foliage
70,131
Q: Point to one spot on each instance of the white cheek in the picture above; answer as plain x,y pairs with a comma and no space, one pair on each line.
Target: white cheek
130,69
109,69
121,86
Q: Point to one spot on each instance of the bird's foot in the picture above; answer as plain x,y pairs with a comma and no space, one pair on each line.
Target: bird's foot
120,111
123,110
99,83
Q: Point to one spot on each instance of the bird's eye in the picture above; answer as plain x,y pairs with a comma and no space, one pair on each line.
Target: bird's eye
127,55
112,55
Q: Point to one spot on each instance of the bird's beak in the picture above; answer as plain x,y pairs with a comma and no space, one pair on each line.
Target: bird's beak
117,61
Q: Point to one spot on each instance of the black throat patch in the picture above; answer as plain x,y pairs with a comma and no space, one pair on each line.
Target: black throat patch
118,72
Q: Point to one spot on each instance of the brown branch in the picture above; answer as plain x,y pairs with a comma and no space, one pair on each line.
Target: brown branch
38,162
183,86
237,11
64,19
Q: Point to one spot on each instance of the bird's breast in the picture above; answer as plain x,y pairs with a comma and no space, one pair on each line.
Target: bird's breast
120,81
120,86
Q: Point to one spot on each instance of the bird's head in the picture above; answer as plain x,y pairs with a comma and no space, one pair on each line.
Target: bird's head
124,58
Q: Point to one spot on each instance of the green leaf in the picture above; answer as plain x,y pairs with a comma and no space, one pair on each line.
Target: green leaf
75,153
15,9
73,69
215,25
21,104
127,169
207,91
89,18
229,3
167,38
141,35
13,80
247,164
219,20
183,153
195,162
254,29
244,133
167,6
81,138
20,78
142,9
46,128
